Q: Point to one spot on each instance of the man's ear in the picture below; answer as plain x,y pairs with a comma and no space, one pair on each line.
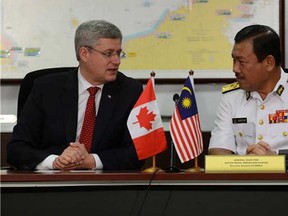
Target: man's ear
83,54
270,63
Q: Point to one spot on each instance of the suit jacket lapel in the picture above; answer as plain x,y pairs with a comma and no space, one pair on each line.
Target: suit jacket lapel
70,104
107,105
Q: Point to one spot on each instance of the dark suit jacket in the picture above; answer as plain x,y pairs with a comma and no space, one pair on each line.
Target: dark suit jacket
49,122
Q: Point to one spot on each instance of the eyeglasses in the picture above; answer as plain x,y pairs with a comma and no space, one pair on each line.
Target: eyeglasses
109,54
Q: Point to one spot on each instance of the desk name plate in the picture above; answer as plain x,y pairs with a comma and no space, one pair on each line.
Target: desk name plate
245,164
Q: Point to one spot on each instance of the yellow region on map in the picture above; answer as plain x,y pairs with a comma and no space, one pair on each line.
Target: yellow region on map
193,39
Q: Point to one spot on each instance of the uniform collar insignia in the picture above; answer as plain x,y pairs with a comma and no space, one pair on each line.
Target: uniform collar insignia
248,95
230,87
280,90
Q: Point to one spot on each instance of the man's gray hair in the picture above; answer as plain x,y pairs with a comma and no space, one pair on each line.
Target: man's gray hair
88,33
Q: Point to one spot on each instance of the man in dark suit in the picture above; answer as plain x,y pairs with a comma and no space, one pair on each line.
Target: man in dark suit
48,132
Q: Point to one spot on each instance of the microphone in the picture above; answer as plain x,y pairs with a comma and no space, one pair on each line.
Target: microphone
172,167
176,98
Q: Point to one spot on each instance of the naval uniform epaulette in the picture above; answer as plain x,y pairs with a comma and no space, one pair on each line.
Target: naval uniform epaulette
230,87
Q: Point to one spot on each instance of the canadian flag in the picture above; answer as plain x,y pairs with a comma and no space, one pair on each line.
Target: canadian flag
145,124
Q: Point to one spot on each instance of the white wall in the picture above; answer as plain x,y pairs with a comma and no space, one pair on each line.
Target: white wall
9,96
207,96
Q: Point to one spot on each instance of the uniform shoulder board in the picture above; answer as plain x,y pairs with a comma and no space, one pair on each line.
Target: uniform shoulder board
230,87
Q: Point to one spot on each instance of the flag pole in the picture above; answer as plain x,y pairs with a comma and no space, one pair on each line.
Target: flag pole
153,168
172,167
196,168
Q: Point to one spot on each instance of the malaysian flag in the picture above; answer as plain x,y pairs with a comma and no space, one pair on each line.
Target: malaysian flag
185,124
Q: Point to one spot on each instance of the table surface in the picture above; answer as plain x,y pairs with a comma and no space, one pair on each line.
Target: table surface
96,178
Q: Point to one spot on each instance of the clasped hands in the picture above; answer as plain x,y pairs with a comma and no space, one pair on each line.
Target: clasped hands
261,148
75,156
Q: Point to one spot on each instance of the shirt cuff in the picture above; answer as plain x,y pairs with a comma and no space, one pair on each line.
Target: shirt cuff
99,164
47,163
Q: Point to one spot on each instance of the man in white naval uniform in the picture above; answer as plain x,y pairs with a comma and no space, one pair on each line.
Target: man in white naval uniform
252,117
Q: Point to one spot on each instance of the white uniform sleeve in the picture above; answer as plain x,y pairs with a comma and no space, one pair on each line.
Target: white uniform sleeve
222,135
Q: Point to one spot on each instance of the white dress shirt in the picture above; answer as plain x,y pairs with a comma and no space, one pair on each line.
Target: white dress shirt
83,85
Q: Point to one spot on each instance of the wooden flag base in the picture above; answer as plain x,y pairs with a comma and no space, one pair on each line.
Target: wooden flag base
196,168
152,170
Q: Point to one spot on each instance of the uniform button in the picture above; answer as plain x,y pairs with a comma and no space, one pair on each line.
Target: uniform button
240,134
261,122
262,107
260,137
285,134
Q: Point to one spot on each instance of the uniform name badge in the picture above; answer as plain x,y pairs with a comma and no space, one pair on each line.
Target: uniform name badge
239,120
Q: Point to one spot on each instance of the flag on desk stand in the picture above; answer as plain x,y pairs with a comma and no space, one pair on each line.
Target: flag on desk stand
145,124
185,124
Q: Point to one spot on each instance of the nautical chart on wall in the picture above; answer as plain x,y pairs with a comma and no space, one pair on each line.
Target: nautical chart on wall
169,37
